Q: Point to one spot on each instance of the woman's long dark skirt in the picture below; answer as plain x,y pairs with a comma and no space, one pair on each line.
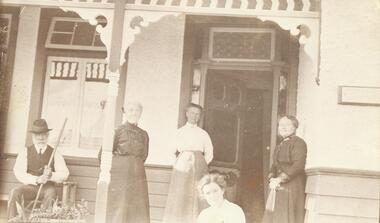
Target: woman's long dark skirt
290,203
128,200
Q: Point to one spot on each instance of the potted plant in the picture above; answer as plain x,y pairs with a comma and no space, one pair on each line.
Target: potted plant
57,213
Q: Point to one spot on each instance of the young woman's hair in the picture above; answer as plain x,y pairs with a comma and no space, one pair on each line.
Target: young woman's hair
211,178
293,119
193,105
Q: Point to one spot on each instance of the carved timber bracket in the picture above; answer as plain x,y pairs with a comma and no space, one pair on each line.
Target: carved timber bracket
92,15
307,32
134,22
305,29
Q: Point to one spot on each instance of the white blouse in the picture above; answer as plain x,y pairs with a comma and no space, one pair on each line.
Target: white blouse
227,213
192,138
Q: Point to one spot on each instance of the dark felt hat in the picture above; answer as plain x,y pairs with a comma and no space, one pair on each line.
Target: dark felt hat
39,126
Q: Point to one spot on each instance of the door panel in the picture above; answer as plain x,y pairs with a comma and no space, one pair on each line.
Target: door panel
252,182
224,116
224,134
237,118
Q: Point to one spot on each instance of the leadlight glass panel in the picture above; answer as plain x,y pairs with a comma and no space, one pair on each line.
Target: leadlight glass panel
244,44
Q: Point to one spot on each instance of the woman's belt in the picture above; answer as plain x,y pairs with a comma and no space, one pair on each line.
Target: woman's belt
186,160
118,153
192,151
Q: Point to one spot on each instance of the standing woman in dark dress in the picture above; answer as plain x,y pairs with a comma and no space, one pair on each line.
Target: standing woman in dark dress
128,200
287,175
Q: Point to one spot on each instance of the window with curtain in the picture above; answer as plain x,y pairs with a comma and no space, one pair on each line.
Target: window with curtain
76,88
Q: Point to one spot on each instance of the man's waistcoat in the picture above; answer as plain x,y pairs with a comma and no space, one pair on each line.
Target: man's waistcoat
37,162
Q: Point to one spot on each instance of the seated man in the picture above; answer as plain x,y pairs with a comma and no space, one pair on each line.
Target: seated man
31,170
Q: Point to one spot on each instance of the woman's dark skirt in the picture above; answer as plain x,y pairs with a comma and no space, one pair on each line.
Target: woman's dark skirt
290,203
128,200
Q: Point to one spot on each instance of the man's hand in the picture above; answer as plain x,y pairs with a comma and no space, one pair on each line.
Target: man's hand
47,172
42,179
46,175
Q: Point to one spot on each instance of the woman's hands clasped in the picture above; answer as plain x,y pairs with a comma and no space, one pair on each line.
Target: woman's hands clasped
274,183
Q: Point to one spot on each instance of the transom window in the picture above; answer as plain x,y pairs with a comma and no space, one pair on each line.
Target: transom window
76,88
241,44
74,33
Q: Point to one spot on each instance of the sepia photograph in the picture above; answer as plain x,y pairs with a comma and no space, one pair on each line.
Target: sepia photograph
190,111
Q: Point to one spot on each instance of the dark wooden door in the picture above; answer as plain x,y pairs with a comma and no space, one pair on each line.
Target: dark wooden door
224,117
235,121
251,188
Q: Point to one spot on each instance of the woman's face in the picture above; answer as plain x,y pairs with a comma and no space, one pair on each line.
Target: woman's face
133,113
286,127
213,194
193,115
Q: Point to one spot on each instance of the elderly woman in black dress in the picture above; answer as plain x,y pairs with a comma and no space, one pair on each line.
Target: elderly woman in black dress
287,175
128,190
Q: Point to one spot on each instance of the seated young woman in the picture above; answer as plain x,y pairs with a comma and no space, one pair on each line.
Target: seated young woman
211,187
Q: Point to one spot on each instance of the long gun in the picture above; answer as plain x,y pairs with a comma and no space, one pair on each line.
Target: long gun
50,161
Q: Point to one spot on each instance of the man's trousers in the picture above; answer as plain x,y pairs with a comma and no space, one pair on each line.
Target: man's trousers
29,192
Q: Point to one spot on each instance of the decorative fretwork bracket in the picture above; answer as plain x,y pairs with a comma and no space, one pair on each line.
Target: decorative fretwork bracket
134,22
308,34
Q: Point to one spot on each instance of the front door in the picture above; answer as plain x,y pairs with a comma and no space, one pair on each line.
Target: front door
236,120
224,117
251,188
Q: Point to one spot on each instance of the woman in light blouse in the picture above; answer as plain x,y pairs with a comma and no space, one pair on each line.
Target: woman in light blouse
194,151
211,187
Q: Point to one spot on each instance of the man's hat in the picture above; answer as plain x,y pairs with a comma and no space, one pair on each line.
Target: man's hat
39,126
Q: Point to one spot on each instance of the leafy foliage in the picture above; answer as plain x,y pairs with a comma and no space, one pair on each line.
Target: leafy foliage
58,211
55,213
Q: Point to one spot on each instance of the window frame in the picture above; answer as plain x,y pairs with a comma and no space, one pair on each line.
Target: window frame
9,17
74,148
70,46
241,30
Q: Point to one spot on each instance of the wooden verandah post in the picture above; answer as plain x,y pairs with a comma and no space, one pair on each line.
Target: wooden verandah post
113,74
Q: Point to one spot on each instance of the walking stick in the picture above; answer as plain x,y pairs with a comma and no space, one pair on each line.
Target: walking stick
49,163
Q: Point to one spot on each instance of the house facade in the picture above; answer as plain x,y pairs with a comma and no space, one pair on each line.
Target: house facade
247,62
